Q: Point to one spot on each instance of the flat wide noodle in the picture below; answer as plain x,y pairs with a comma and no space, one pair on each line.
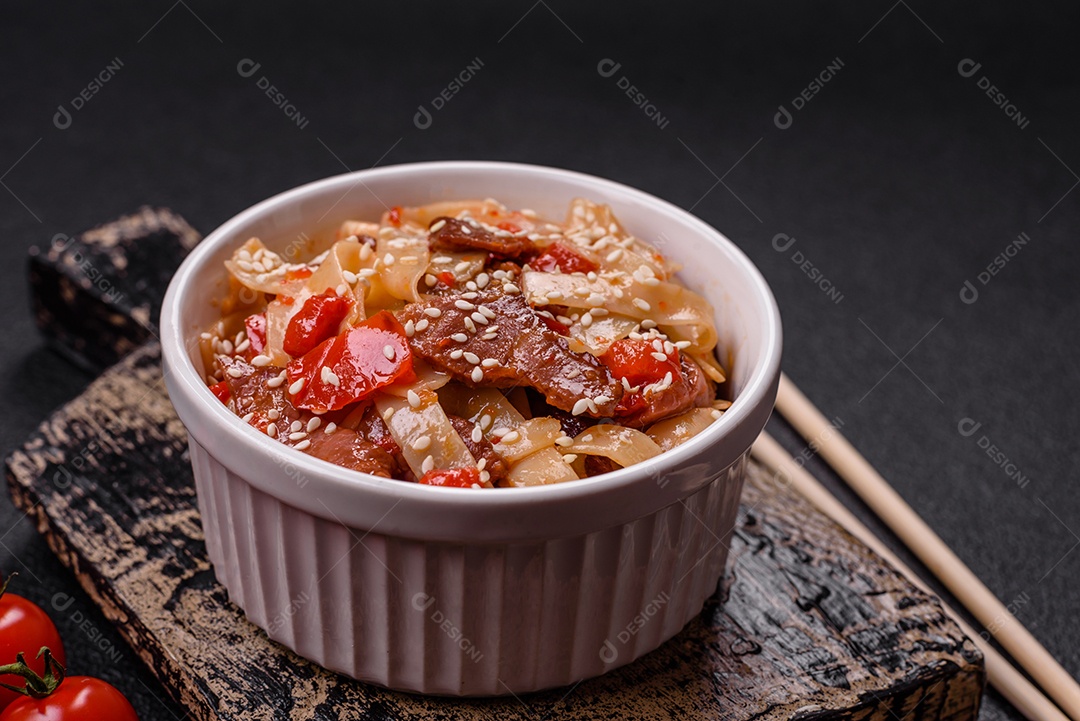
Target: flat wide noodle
677,430
410,426
532,435
402,262
623,445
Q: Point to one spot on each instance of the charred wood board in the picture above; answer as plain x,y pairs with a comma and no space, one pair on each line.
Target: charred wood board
97,296
808,623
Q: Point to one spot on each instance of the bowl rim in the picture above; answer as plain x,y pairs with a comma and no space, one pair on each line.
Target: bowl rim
740,424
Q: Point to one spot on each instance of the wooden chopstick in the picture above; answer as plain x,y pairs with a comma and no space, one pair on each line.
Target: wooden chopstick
1016,689
946,566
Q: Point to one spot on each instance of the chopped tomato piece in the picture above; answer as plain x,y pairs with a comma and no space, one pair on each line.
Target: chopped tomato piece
255,327
394,216
447,278
561,257
316,321
630,404
637,361
298,273
221,390
508,227
358,362
453,477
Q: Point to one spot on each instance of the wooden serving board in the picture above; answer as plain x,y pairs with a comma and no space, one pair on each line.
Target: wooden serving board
808,623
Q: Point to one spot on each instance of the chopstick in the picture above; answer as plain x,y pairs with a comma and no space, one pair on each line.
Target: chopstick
946,566
1012,685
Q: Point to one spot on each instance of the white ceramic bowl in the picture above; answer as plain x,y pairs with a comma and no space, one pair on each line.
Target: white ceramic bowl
458,591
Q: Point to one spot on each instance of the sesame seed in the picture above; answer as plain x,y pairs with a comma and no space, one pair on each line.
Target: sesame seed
422,325
511,288
471,285
297,386
349,277
669,347
470,325
587,438
342,289
660,356
243,346
477,374
205,336
580,407
477,434
410,330
428,465
511,437
414,399
642,304
388,351
554,294
365,252
603,399
430,280
409,260
599,312
235,372
462,266
489,363
484,476
313,424
586,320
273,414
480,318
464,305
500,431
271,430
247,417
489,336
651,281
471,295
682,344
592,406
716,414
614,255
421,443
481,464
564,441
658,345
617,292
472,357
437,226
388,259
432,312
330,428
244,265
456,353
388,414
648,323
297,435
329,377
460,337
482,280
569,457
485,421
366,273
487,312
295,426
303,445
595,299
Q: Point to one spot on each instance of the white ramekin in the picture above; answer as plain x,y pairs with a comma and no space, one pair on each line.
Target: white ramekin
457,591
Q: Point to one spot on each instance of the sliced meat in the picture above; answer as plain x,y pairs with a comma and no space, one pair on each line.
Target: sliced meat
595,465
690,390
455,234
344,447
374,429
571,425
495,465
519,348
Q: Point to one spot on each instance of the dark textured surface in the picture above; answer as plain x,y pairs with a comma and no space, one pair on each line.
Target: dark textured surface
814,623
899,181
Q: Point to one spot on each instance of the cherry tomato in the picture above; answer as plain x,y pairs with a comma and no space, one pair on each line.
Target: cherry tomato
317,320
561,257
77,698
637,362
24,628
221,390
453,477
370,356
255,326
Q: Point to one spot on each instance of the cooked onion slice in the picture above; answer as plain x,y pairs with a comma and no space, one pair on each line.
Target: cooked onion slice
427,378
676,430
422,432
540,469
623,445
259,268
600,333
402,261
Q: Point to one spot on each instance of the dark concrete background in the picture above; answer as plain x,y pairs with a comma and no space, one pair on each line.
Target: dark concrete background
898,181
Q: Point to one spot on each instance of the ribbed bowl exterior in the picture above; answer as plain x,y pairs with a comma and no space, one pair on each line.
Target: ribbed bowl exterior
475,619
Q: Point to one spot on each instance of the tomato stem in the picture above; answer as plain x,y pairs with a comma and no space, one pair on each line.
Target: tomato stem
3,588
36,686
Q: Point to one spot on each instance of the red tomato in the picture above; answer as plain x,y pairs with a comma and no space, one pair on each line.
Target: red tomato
316,321
447,278
77,698
634,360
561,257
24,628
394,216
221,390
453,477
359,360
255,326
